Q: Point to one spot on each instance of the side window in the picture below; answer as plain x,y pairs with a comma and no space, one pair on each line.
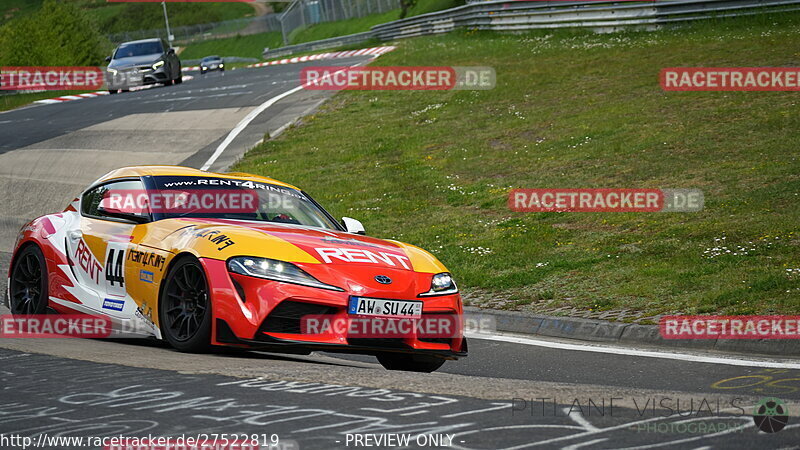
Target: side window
92,200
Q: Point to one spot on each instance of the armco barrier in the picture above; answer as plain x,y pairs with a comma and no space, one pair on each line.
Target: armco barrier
528,15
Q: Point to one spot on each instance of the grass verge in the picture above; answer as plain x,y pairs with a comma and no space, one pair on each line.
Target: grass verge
327,30
573,109
250,46
13,101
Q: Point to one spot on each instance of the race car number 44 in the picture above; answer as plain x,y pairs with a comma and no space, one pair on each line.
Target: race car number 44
365,306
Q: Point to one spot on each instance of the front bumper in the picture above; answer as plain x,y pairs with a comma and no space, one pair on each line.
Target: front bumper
257,313
128,78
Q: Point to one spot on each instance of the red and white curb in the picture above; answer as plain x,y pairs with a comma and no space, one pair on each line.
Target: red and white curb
373,51
69,98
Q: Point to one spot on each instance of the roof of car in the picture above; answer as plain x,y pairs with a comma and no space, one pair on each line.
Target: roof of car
142,40
212,57
141,171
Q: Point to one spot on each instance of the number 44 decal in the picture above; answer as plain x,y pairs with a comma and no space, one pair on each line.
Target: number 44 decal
115,269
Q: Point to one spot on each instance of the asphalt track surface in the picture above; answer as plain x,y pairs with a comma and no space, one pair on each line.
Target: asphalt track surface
509,393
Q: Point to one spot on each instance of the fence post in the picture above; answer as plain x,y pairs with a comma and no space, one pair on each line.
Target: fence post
283,31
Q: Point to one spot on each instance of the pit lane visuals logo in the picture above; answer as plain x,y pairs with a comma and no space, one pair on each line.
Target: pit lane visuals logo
771,415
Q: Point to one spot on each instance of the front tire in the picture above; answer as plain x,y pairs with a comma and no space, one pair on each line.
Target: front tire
410,363
184,310
28,284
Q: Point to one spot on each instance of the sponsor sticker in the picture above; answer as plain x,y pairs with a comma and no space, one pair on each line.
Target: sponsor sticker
112,304
87,262
329,255
216,237
146,276
147,259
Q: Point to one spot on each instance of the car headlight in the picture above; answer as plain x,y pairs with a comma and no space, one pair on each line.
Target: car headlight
157,65
441,284
112,71
222,64
204,68
275,270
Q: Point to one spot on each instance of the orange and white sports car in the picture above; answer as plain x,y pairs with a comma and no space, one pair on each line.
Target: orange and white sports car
200,259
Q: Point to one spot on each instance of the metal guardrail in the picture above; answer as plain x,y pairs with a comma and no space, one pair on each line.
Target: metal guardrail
304,13
523,15
339,41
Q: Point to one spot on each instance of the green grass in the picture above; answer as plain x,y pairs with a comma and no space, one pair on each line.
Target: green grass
573,109
12,101
118,17
343,27
11,9
428,6
249,46
327,30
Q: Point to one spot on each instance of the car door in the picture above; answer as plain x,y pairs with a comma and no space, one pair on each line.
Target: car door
99,247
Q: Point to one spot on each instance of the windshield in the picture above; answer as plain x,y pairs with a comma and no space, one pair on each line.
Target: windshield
270,203
138,49
211,58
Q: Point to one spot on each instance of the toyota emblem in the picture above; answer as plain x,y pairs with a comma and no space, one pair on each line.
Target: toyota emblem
383,279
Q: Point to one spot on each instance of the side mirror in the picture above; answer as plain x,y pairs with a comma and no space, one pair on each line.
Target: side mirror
353,226
108,59
171,51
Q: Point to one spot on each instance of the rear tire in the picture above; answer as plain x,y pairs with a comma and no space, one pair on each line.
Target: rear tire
410,363
179,80
113,91
184,310
28,283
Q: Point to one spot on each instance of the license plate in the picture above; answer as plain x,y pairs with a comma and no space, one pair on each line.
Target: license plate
365,306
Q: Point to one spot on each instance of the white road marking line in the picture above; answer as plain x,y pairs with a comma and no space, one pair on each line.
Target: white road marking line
249,118
579,419
666,354
244,123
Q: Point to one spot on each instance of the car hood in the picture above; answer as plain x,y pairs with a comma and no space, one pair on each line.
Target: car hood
133,61
222,239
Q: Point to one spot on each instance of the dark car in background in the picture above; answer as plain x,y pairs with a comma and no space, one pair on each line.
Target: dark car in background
210,63
147,61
